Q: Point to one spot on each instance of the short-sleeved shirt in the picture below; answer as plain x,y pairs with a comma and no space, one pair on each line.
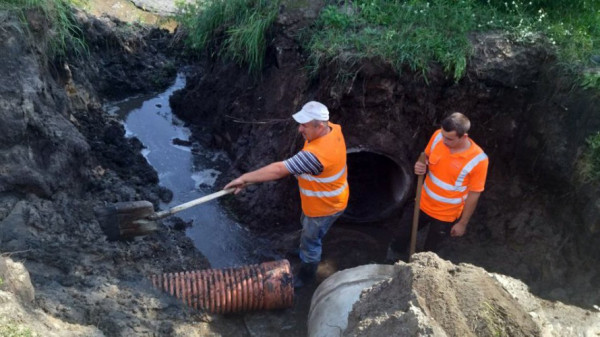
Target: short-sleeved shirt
451,177
303,162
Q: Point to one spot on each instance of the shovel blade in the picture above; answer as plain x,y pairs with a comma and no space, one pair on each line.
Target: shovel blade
121,220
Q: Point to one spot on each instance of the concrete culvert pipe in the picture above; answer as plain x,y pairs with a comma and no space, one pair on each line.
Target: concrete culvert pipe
379,185
333,299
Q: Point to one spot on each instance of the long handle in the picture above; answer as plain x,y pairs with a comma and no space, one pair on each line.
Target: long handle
415,224
189,204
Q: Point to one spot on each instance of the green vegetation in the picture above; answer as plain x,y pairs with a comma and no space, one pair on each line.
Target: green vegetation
237,28
411,33
591,79
588,167
65,34
418,32
492,318
14,330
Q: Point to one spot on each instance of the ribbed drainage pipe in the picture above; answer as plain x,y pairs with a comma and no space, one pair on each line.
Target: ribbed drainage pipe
254,287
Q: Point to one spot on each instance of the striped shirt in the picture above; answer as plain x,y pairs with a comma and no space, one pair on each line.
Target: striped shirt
303,163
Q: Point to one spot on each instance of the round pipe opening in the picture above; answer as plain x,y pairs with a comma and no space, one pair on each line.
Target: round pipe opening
378,186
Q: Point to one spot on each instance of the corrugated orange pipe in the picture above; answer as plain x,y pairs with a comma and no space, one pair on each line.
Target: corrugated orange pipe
255,287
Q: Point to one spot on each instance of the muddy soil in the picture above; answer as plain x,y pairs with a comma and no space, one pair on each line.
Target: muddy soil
63,156
535,222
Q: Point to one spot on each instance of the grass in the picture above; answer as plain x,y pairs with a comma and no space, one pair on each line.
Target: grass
591,79
405,33
573,25
588,166
13,329
64,34
418,32
411,33
233,29
493,321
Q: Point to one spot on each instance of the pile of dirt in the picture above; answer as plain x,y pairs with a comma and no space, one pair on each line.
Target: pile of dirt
434,297
18,314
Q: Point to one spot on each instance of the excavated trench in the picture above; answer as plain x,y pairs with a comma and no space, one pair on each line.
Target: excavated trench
529,144
189,171
387,119
379,183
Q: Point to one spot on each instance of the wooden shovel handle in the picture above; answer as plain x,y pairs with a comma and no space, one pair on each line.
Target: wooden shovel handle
415,224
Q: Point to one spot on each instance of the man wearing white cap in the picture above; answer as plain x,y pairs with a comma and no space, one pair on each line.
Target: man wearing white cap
321,171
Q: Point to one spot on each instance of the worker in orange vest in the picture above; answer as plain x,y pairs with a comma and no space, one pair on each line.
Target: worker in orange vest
455,179
321,171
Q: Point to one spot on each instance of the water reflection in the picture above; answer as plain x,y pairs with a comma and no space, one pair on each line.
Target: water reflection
190,175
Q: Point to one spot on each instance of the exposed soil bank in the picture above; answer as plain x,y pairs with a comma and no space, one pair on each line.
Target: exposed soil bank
62,156
535,222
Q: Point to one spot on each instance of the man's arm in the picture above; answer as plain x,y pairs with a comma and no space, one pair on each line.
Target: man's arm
270,172
460,227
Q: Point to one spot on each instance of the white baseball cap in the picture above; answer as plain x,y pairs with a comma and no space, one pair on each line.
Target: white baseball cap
312,111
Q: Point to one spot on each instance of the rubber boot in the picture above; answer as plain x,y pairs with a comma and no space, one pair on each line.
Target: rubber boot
306,274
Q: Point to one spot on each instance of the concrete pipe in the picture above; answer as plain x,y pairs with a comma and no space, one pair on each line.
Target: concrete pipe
379,185
255,287
332,301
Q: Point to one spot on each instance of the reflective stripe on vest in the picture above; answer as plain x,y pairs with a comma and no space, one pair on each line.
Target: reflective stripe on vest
469,167
323,194
453,201
436,140
324,180
438,182
328,192
456,187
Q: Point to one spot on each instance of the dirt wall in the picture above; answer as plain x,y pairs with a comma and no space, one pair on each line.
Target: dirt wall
62,156
522,112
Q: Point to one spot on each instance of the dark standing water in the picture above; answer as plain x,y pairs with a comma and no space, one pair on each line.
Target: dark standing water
189,175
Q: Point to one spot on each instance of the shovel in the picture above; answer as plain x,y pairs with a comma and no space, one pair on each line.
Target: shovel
415,224
125,220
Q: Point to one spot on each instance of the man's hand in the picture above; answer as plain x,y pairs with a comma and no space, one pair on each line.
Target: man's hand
420,168
237,183
458,229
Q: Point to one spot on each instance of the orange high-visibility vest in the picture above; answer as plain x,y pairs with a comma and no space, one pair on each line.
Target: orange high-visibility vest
326,193
450,178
